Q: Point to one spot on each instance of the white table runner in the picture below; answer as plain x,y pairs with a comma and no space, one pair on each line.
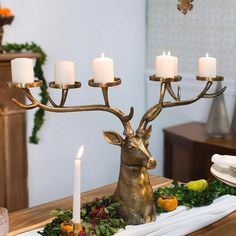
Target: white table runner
180,222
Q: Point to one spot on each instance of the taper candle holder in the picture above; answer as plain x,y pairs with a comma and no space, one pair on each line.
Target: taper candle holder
77,228
134,206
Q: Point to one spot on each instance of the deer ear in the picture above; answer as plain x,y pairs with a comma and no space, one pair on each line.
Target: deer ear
113,138
148,132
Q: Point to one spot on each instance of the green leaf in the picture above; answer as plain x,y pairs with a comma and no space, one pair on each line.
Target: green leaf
97,230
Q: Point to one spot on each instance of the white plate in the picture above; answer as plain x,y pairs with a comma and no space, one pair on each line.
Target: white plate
226,175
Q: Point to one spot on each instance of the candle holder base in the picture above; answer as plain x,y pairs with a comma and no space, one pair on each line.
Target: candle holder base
161,79
77,228
117,81
217,78
65,86
36,83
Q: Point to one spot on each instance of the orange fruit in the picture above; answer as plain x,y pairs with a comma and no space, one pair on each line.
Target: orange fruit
67,227
5,12
167,203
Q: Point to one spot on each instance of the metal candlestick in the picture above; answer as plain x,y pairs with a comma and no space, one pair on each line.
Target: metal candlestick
233,125
134,192
218,121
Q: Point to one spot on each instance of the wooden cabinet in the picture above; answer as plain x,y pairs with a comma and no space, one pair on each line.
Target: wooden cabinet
188,151
13,154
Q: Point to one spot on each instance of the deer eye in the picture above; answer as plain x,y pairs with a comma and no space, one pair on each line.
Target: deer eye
130,147
146,143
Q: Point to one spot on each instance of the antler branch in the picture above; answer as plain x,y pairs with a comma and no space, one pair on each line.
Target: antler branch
23,106
55,108
154,111
186,102
172,93
64,94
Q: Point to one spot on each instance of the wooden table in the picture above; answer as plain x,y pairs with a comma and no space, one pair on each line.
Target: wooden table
35,217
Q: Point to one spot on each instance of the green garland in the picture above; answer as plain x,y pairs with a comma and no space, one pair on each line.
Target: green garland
191,198
100,217
38,71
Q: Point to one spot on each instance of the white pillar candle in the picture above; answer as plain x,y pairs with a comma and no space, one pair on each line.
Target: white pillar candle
22,70
176,65
166,66
64,72
103,69
207,66
76,190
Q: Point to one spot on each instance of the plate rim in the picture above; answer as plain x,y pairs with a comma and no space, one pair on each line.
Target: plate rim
220,178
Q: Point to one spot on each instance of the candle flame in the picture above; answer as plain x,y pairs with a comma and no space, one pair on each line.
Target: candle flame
80,152
169,53
102,54
207,55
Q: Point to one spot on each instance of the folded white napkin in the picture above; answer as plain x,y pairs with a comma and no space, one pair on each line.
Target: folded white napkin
224,160
183,221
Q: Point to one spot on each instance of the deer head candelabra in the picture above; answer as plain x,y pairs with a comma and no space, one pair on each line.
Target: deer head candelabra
133,192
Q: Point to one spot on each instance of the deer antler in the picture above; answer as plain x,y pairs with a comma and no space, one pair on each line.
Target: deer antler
155,110
61,108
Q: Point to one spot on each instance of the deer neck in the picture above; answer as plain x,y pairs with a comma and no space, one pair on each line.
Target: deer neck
133,175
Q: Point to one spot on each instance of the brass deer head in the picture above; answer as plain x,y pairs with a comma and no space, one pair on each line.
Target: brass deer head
134,149
136,203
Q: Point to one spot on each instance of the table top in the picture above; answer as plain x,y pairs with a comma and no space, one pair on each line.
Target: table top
35,217
196,131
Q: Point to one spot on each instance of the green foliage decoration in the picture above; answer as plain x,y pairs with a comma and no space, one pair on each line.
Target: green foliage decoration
38,71
101,218
191,198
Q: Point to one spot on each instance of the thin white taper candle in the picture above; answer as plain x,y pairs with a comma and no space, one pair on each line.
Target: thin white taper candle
77,182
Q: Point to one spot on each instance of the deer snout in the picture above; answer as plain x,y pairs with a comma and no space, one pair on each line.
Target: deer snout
152,163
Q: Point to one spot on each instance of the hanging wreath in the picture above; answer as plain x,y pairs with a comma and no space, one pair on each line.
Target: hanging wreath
38,71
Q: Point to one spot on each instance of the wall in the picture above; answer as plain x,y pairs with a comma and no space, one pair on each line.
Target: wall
210,27
80,30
